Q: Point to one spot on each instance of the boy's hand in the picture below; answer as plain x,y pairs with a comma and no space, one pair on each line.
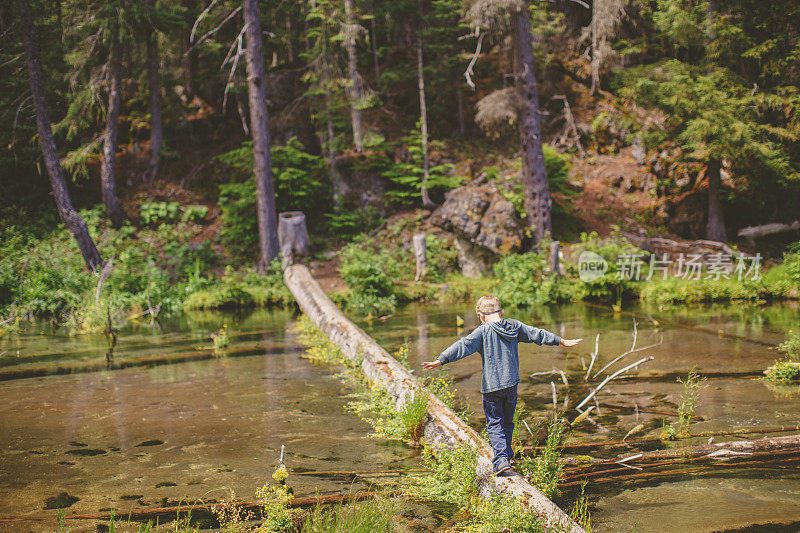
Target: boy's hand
432,364
570,342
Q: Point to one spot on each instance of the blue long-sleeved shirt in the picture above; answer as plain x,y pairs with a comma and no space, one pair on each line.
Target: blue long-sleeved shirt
497,343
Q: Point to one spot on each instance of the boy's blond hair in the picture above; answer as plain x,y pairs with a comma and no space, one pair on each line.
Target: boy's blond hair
487,304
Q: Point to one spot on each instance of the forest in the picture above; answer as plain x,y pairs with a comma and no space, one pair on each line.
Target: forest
571,157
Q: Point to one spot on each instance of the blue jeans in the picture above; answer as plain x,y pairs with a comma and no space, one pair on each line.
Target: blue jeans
499,408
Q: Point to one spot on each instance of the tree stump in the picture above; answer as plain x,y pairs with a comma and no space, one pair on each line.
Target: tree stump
555,268
293,236
420,247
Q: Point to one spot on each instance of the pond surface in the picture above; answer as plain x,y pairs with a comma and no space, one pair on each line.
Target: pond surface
181,431
131,438
732,345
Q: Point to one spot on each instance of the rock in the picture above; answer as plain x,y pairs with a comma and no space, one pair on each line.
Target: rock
474,261
482,216
485,225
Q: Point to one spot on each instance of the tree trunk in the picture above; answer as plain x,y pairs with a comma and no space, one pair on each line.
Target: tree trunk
72,220
442,427
354,87
460,101
156,131
595,50
423,118
534,175
339,185
715,229
259,124
420,256
376,64
188,61
107,178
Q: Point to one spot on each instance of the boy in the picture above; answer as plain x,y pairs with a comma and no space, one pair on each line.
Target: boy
496,340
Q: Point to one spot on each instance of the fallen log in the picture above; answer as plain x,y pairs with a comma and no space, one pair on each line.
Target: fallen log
442,425
752,232
767,444
589,446
176,510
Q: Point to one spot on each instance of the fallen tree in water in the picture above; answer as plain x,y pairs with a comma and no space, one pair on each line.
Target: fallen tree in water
442,426
675,461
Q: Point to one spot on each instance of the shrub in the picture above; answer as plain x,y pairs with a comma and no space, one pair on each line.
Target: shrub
370,277
452,477
153,212
413,414
783,371
791,346
544,468
523,280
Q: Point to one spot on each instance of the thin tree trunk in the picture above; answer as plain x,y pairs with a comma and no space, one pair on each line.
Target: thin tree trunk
188,62
595,50
354,88
715,229
259,124
534,175
375,49
289,47
156,131
72,220
460,99
107,178
339,186
423,117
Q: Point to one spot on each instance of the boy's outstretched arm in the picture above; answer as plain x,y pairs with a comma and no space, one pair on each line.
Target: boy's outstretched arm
542,336
458,350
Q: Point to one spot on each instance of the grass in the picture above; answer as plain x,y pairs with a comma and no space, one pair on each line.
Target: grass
544,468
412,416
371,516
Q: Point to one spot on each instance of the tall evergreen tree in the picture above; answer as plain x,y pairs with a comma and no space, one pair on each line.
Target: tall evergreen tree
72,220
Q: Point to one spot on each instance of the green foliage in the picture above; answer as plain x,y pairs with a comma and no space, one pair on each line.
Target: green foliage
524,279
300,185
408,176
154,212
791,346
580,512
783,371
349,222
690,399
375,515
413,414
370,276
442,258
452,477
502,513
544,468
237,289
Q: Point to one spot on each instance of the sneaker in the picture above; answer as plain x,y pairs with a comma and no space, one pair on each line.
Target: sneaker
502,468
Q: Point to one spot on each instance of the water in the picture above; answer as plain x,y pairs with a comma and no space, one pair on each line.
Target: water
132,438
732,344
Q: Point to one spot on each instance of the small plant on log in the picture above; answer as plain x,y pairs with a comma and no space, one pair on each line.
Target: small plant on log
413,415
543,469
